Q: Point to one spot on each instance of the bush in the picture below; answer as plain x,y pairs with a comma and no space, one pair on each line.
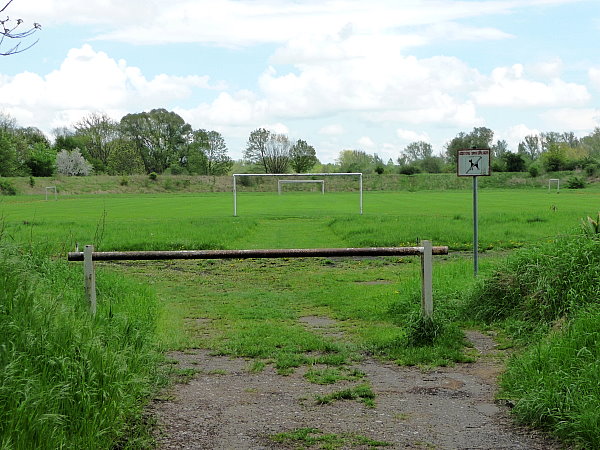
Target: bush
153,176
410,169
7,188
534,170
575,182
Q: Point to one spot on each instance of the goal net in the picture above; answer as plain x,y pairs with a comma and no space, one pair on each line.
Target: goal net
268,182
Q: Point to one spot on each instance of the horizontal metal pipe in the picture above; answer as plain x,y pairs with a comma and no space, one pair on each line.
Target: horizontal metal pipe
267,253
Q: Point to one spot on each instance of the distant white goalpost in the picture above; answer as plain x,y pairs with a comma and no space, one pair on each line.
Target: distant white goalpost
282,182
357,174
556,181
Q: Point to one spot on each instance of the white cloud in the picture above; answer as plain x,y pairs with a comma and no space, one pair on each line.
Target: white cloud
366,142
92,81
508,87
411,136
594,74
332,130
515,134
248,22
572,119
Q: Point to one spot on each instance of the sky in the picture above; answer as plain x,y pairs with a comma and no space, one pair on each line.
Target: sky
370,75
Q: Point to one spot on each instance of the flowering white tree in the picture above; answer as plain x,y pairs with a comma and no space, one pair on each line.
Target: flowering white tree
72,163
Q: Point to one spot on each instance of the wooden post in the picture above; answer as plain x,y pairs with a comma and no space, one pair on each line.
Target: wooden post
426,281
90,277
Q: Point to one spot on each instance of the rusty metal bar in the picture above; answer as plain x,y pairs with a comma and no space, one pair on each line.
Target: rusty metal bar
265,253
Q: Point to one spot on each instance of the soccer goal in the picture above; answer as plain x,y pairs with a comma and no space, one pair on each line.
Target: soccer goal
280,184
555,181
50,190
358,175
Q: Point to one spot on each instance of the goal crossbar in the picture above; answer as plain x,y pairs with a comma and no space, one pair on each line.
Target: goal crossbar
321,174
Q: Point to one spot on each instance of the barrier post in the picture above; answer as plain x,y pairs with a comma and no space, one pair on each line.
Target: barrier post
90,277
426,281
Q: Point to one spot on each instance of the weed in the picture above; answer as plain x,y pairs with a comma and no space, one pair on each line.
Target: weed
362,393
333,375
313,437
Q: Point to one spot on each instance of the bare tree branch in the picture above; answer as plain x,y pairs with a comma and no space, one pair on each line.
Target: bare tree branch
10,30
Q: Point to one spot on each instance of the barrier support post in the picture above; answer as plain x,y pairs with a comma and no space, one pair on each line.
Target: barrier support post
426,281
90,278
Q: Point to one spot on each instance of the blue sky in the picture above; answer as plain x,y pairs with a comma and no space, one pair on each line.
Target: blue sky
340,74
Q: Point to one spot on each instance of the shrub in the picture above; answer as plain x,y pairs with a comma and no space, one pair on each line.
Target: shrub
72,163
7,188
409,169
153,176
575,182
534,170
124,181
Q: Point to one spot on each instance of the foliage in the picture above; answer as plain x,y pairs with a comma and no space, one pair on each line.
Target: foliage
159,136
575,182
514,162
480,137
42,161
591,226
67,380
302,156
409,169
217,161
72,163
7,188
153,176
277,153
255,151
353,161
99,132
311,437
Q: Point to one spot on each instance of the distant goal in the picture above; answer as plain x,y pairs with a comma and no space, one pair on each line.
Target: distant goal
283,179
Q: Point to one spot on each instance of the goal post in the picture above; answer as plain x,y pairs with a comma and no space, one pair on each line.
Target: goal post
356,174
280,183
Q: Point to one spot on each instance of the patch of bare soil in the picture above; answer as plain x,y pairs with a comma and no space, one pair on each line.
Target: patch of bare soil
225,406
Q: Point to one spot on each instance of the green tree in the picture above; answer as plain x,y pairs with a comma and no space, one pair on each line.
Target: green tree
514,162
591,143
41,161
255,152
217,160
303,157
98,131
355,161
480,137
124,159
8,154
277,153
161,137
416,151
531,147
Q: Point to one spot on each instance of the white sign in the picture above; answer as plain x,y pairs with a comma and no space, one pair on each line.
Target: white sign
473,162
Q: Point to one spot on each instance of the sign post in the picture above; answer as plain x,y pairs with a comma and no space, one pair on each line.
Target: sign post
474,162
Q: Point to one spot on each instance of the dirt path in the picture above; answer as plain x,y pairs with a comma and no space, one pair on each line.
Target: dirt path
225,406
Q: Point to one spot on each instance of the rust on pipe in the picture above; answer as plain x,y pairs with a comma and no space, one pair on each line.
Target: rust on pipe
265,253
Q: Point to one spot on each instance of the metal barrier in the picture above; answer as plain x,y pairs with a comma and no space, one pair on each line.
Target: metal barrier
88,256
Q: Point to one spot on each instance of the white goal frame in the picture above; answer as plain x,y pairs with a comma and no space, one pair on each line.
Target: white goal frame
551,180
281,182
357,174
50,189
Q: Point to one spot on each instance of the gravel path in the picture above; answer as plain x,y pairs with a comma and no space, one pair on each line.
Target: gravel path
225,406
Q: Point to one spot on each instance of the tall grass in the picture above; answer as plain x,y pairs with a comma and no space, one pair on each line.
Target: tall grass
548,299
68,380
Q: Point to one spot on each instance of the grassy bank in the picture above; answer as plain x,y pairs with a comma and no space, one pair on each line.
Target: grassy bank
546,298
136,184
68,380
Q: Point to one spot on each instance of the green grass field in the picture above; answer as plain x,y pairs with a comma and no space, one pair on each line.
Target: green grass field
507,219
250,308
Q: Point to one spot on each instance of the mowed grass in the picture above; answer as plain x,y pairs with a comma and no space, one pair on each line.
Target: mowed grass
507,219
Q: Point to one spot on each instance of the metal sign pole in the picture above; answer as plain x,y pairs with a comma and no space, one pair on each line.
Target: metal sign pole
475,229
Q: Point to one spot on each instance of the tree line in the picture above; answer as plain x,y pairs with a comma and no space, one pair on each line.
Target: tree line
153,141
160,141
